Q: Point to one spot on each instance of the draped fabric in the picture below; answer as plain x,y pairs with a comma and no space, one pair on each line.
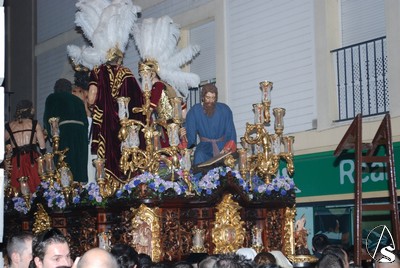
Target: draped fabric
27,169
73,126
218,127
112,82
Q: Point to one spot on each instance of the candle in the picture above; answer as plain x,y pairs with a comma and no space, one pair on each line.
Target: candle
173,134
258,113
288,144
177,109
133,136
242,158
49,163
99,167
266,87
66,176
123,112
53,121
276,144
41,165
279,113
23,181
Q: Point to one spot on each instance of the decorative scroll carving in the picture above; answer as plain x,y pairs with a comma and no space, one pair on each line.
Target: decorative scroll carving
146,231
273,229
121,231
228,232
170,236
82,239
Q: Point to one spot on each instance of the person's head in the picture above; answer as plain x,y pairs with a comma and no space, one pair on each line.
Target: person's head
319,242
19,250
81,85
182,264
335,255
82,79
144,260
208,262
24,110
62,85
264,258
196,258
114,56
97,258
50,249
331,261
126,256
228,261
209,97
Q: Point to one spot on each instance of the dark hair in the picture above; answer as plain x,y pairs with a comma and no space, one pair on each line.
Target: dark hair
320,242
333,256
264,258
144,260
228,261
24,110
126,256
331,261
17,243
62,85
208,262
209,88
182,264
81,79
42,240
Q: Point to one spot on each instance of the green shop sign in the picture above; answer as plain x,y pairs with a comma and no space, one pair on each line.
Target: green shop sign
324,174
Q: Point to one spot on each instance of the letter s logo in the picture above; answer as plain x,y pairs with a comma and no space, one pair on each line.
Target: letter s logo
389,256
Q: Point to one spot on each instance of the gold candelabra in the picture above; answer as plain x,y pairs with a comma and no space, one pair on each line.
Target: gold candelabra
134,159
61,172
265,149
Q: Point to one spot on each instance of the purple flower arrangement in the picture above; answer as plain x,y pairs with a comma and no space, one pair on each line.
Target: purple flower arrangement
203,186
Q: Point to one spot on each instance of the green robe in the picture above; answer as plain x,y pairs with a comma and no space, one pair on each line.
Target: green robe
73,132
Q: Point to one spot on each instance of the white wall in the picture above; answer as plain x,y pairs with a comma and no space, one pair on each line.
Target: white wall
271,40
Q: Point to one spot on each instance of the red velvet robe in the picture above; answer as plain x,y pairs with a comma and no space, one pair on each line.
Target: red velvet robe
112,82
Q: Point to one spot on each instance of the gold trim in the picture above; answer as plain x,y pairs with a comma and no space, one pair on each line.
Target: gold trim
228,233
146,225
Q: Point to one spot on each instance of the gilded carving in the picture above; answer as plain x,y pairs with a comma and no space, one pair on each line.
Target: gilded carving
228,232
42,220
288,247
146,231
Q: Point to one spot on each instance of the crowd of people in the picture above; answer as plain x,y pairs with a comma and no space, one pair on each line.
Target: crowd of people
50,249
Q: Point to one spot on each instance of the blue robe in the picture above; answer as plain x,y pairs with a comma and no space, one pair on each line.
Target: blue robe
219,125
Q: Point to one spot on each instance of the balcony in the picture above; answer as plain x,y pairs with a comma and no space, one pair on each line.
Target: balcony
361,75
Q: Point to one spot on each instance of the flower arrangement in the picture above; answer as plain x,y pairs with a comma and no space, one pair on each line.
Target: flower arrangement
202,185
53,194
280,185
20,204
155,183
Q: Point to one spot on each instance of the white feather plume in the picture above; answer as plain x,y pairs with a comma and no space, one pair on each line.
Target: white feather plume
158,39
106,24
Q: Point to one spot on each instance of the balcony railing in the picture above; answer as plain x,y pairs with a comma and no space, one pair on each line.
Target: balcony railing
194,93
362,84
